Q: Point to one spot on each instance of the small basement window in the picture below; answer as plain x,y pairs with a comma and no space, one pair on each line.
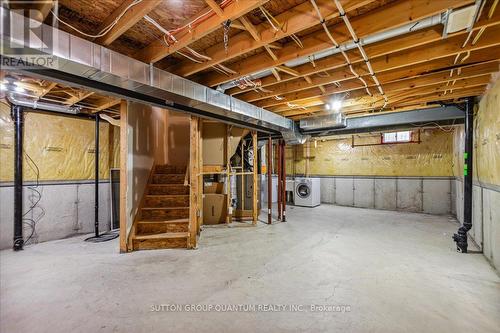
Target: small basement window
392,137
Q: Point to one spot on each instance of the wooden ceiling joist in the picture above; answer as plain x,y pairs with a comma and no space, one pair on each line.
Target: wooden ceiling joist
106,103
386,17
252,30
394,84
403,88
79,96
276,74
46,89
392,45
337,63
413,56
134,14
215,7
377,107
294,20
158,50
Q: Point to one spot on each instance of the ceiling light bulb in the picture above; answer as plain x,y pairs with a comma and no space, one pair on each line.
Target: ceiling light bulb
327,106
336,105
2,86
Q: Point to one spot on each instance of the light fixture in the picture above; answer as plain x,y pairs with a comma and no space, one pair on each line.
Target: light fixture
336,105
19,89
3,86
327,107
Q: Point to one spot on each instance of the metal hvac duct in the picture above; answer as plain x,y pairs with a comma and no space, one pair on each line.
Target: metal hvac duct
33,104
334,120
73,60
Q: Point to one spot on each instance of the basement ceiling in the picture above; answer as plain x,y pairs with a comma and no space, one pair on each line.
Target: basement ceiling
417,68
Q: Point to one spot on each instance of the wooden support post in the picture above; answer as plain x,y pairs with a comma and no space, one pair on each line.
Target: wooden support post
242,177
194,137
123,176
255,209
199,219
280,182
283,215
269,180
229,217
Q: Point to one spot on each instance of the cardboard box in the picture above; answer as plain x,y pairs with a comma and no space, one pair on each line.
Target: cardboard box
213,188
213,136
214,208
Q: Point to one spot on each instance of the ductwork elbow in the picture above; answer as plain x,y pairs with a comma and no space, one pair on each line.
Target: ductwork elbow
33,104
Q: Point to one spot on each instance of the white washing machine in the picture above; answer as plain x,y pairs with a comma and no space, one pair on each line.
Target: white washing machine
307,192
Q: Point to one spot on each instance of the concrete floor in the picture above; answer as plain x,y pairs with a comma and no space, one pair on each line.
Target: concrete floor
398,272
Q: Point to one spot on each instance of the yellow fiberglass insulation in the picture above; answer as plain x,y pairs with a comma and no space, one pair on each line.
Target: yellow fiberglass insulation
336,156
62,147
486,155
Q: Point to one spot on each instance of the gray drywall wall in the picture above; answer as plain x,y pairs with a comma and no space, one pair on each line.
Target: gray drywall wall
65,209
485,217
432,195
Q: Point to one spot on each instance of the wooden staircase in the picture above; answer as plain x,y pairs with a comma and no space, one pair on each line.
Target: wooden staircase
163,218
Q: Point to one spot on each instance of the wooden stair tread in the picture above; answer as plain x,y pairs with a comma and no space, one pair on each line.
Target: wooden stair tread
163,235
170,208
165,221
167,195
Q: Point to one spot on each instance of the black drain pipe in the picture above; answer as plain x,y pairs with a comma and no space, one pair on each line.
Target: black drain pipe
461,236
96,194
18,118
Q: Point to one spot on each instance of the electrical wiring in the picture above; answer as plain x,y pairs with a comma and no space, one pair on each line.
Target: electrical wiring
35,198
229,70
344,54
450,129
278,26
188,57
475,39
105,30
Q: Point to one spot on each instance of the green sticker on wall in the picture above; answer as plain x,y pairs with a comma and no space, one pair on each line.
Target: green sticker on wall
466,155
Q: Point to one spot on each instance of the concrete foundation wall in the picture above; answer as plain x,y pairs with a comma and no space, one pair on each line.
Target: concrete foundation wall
485,172
485,217
432,195
65,209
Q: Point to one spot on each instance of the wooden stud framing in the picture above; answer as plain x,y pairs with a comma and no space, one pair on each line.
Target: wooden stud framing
194,157
269,180
283,170
123,176
278,171
199,219
255,210
227,143
242,177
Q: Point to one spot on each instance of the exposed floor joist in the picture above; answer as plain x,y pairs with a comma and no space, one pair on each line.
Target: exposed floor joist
386,17
298,18
159,50
127,18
